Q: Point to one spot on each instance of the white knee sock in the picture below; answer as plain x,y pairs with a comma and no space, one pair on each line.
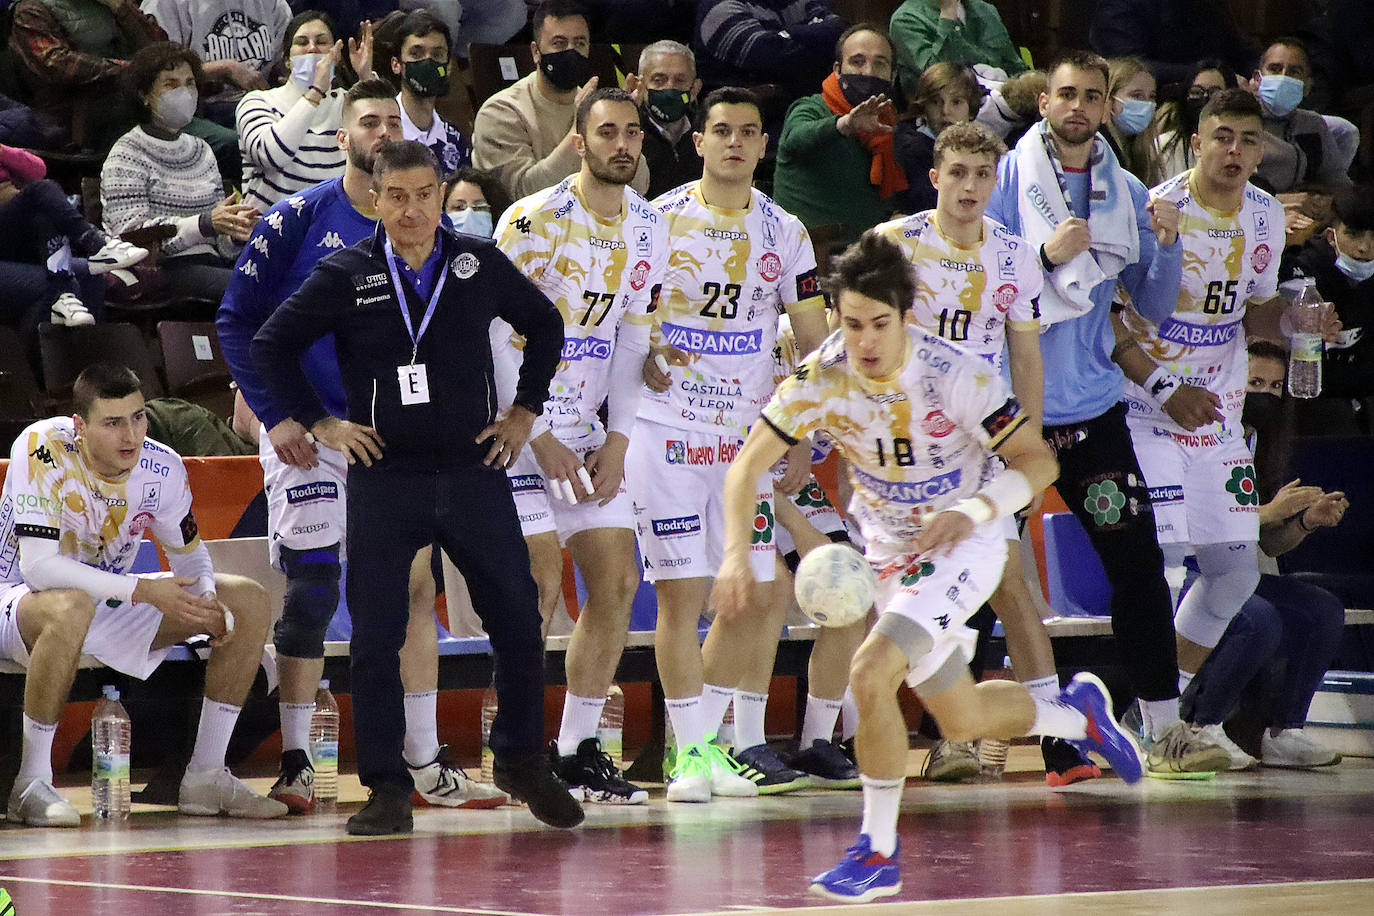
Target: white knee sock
1043,688
422,727
212,738
685,715
849,715
882,800
1158,715
295,726
819,722
35,761
1057,720
749,713
581,716
714,701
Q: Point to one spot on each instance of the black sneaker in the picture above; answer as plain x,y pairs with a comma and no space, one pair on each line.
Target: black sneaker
847,748
592,771
534,782
1065,764
295,787
827,766
385,813
765,769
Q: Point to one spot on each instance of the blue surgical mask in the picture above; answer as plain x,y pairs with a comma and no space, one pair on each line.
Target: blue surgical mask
473,222
1136,115
303,70
1280,94
1359,271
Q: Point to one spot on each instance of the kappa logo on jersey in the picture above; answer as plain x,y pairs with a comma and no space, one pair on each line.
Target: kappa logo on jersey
770,266
729,343
249,269
910,492
676,527
274,219
312,492
1260,259
526,483
586,348
331,240
1004,297
43,455
259,244
523,224
937,425
639,275
297,203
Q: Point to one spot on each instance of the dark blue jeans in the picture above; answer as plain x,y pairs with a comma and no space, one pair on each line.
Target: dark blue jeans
1287,623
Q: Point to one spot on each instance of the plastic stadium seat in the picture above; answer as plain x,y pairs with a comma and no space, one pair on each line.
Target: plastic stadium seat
1077,583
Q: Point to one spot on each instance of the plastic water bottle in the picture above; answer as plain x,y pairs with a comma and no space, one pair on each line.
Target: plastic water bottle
1305,346
611,729
111,732
992,752
324,746
488,717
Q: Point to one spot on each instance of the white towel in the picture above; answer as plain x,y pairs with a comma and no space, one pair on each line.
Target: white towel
1043,204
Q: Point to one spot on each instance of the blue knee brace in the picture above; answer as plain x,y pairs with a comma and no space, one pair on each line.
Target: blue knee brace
312,596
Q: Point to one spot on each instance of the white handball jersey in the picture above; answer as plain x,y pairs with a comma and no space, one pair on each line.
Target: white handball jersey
730,274
916,441
1228,259
602,274
970,295
50,493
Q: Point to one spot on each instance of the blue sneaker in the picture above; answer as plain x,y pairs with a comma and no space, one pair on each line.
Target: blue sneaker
861,876
1089,696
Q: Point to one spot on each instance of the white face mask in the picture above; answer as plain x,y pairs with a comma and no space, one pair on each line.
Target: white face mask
175,108
1357,270
473,222
303,70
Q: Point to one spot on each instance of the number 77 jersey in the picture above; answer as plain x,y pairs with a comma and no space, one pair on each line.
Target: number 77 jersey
730,275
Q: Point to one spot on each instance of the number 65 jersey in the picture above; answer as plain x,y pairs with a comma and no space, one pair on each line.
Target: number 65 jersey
730,274
917,441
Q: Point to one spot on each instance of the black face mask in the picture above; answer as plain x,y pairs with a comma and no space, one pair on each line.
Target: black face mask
1261,409
427,78
667,106
567,70
858,88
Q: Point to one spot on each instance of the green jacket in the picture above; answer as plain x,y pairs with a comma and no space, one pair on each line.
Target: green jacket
922,38
822,175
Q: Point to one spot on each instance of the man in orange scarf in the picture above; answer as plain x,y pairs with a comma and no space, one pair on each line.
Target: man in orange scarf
835,162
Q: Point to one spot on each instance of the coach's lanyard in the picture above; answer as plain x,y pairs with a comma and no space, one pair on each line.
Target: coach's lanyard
401,299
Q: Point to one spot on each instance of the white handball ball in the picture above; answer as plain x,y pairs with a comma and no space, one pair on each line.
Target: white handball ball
835,585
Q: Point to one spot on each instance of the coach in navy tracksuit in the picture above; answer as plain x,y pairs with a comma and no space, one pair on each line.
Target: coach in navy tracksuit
409,310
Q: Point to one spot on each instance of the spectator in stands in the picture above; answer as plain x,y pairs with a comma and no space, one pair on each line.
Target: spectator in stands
957,31
288,133
1300,152
1130,130
236,39
1011,108
158,175
49,254
1288,624
1169,35
422,64
524,133
1341,260
475,201
71,51
946,94
755,42
1177,120
835,158
666,87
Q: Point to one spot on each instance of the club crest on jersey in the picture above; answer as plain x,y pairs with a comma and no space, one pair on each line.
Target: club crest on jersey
1261,226
639,275
140,523
1006,265
1004,297
937,425
465,265
770,266
1260,259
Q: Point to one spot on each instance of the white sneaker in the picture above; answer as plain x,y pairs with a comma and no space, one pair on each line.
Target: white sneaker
1215,734
727,778
38,804
441,783
1291,749
690,780
221,792
69,310
115,254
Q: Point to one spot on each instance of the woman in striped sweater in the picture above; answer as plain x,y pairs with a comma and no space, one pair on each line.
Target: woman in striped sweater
288,134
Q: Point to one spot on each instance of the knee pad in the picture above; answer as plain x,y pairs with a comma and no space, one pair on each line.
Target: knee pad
1229,576
312,596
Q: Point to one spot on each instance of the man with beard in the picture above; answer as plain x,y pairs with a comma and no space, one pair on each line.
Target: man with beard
598,251
305,483
422,63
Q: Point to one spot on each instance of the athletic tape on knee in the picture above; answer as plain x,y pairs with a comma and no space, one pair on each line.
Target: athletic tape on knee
312,597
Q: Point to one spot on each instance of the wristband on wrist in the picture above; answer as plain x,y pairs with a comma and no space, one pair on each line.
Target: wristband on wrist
1007,494
1302,521
977,510
1162,384
1046,262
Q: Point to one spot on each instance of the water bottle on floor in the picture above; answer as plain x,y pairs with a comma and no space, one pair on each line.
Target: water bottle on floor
111,732
1305,346
488,717
992,752
324,746
611,728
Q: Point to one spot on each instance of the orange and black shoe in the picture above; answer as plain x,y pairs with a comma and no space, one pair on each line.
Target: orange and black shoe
1065,764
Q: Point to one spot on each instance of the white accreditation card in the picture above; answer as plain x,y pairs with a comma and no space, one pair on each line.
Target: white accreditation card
414,384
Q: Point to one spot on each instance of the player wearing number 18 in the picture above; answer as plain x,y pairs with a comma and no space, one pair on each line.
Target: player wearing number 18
931,532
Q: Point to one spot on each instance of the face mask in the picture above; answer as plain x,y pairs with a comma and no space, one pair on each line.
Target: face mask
1280,94
303,70
1359,271
473,222
859,88
1136,115
668,105
1261,409
565,69
427,78
175,108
